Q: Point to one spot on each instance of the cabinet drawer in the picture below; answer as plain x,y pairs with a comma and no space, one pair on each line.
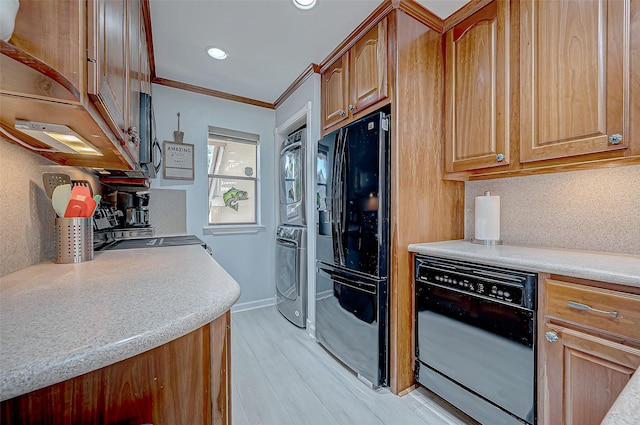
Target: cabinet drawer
612,311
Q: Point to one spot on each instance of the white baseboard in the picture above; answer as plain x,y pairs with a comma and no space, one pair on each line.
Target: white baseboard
251,305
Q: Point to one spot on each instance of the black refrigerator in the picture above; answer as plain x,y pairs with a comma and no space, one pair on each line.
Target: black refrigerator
352,245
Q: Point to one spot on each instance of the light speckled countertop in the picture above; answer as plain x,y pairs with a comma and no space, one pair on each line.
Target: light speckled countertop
614,268
59,321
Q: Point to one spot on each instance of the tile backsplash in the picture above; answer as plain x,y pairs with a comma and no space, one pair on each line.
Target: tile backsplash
595,210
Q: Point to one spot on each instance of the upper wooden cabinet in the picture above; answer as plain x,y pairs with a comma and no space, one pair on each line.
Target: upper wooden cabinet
542,86
477,90
574,77
335,94
589,349
81,65
357,79
115,38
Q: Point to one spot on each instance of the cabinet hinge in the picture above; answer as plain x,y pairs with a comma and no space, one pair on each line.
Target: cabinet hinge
92,60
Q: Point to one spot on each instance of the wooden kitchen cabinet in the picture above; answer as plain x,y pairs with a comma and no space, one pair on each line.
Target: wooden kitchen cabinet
184,381
335,93
356,80
586,356
71,63
116,37
477,99
550,85
574,78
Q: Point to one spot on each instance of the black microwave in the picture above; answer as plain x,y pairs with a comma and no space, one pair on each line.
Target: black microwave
145,133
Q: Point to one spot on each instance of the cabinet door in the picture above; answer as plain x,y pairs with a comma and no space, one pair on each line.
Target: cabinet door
135,78
221,369
334,92
368,69
574,77
107,77
583,376
477,90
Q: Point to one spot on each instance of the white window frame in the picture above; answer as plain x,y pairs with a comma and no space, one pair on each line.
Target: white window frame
237,137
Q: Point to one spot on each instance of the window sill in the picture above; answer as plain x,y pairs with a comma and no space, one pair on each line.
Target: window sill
233,229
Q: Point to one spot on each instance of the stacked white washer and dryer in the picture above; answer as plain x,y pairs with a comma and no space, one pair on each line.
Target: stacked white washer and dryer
291,235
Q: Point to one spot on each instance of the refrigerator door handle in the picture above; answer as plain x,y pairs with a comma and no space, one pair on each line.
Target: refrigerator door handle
357,285
337,206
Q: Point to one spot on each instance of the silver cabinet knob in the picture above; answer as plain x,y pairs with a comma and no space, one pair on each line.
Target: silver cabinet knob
342,112
499,157
551,336
352,108
615,139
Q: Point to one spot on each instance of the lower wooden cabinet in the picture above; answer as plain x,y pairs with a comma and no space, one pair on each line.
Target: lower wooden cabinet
587,352
186,381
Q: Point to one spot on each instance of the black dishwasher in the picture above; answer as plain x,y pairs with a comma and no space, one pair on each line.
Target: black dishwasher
476,338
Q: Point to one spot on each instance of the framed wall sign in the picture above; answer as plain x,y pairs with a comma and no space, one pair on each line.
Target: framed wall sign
178,161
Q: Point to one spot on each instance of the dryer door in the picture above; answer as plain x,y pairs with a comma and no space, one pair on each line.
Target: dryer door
292,185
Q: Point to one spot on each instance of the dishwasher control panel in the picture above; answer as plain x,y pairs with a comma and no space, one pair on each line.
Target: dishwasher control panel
509,286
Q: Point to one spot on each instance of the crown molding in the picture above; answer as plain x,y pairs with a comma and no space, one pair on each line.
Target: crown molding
380,12
418,12
308,72
464,12
210,92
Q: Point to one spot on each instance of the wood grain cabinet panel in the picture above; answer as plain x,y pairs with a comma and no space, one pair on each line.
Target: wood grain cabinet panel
575,77
108,62
584,376
118,69
477,90
58,42
368,69
335,95
186,381
587,354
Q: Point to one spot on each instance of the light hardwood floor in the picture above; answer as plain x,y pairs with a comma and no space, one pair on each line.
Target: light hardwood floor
281,376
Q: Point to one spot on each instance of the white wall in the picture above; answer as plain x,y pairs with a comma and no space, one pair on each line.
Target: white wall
307,94
249,258
595,210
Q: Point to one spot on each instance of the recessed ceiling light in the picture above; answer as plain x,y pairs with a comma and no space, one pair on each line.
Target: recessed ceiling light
304,4
217,53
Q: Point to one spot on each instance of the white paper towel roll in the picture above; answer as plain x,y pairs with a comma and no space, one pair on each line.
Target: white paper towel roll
487,217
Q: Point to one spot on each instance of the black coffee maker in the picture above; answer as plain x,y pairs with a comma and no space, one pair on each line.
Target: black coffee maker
134,207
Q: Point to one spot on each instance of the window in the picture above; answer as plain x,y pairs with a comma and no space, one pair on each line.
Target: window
233,177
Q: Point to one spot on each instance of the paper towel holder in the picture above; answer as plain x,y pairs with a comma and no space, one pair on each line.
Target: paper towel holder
487,242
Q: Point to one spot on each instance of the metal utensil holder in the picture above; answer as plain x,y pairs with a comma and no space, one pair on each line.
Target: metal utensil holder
74,240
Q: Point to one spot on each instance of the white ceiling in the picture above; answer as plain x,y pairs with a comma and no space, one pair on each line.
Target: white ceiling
270,42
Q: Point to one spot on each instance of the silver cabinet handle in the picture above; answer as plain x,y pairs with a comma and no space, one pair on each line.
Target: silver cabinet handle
499,157
342,112
585,307
352,108
615,139
551,336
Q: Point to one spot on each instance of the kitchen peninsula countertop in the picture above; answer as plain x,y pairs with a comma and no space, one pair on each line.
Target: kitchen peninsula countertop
59,321
622,269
